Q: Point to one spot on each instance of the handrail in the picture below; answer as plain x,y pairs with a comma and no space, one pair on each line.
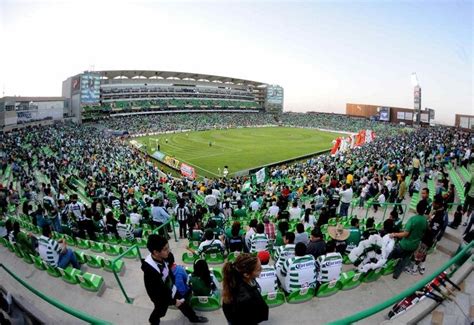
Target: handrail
65,308
409,291
128,300
171,220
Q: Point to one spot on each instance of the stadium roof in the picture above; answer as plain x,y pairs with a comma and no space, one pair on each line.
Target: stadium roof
149,74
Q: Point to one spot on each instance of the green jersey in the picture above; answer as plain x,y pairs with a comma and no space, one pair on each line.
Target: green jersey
416,227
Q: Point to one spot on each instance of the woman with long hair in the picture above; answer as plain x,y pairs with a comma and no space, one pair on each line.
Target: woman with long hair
201,280
242,301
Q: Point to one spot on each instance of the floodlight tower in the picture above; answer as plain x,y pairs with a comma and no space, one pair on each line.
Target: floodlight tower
416,96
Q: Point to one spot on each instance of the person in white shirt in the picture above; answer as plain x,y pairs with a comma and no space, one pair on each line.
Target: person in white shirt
267,280
250,232
273,210
346,197
254,205
295,211
135,217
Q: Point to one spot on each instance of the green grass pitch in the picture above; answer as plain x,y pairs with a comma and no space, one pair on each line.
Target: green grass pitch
239,149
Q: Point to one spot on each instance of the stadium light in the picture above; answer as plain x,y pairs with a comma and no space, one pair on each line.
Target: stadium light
414,80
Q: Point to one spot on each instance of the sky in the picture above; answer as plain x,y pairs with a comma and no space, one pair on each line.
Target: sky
323,53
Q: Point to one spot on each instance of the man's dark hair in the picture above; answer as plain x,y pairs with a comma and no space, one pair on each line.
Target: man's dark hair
209,234
354,222
421,207
300,249
300,228
46,231
123,218
260,228
316,232
170,259
290,236
156,243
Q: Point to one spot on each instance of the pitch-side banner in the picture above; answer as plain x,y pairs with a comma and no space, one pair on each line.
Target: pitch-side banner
188,171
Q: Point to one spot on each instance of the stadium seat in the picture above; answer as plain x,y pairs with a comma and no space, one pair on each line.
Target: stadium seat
389,267
89,281
205,303
328,289
94,261
214,258
109,267
52,270
81,257
274,299
300,296
112,250
38,262
69,274
350,280
83,243
97,247
232,256
189,257
372,275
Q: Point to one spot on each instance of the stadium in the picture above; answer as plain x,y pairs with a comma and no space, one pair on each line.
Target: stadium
146,196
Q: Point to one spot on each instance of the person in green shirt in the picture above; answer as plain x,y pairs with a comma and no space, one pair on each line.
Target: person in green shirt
201,281
410,238
354,235
240,212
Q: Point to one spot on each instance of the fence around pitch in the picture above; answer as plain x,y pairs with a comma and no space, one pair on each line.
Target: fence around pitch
65,308
417,286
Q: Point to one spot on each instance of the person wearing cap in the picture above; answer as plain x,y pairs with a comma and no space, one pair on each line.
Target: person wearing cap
339,236
316,245
267,279
298,272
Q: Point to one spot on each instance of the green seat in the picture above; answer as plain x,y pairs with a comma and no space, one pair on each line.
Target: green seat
274,299
38,262
95,261
10,246
69,274
131,253
329,288
52,270
389,267
217,271
109,267
214,258
112,250
346,260
83,243
90,281
299,296
18,251
97,247
141,242
81,257
69,240
372,275
111,239
3,241
189,257
232,256
350,279
194,244
27,258
205,303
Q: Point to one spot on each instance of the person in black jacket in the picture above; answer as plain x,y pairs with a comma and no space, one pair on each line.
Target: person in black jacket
159,282
242,301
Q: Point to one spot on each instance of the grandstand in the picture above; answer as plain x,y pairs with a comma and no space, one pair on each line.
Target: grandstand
108,93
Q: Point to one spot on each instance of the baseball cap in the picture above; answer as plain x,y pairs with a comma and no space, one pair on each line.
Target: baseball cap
263,256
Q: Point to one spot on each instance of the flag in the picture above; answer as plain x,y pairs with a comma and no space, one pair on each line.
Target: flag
247,186
261,176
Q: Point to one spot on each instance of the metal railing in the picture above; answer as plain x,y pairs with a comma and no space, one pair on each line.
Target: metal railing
418,286
170,221
65,308
128,300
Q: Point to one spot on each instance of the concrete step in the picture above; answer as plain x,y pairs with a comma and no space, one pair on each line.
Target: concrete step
454,234
447,246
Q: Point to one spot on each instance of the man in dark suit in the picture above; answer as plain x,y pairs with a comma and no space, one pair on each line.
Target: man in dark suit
159,282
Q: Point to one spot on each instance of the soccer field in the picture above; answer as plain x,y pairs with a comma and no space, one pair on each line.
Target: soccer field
239,149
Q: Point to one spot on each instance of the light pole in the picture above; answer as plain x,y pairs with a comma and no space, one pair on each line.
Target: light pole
416,96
